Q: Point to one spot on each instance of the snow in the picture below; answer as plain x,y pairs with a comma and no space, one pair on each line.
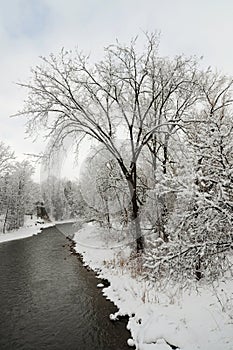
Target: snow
29,229
130,342
197,319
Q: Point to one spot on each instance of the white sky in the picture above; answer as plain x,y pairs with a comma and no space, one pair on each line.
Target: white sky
30,28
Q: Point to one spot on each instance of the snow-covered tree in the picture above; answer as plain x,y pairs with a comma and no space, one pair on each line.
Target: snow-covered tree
200,223
16,195
104,188
135,93
6,158
76,206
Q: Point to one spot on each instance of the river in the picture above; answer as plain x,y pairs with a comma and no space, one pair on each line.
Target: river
48,300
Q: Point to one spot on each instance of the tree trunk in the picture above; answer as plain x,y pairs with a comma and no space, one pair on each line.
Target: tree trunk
107,214
165,154
136,223
132,184
165,158
5,219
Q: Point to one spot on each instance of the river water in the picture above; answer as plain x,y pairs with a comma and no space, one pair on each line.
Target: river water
48,300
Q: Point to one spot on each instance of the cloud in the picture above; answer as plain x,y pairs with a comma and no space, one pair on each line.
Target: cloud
24,19
29,29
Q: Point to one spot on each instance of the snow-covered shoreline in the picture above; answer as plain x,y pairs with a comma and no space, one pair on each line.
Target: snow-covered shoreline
30,229
189,320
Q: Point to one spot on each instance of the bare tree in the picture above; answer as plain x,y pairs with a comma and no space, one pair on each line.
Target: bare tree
138,95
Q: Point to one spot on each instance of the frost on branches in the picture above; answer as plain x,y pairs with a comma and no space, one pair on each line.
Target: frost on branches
199,223
18,192
172,184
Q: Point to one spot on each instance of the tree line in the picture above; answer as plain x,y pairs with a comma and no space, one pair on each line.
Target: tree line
21,196
17,190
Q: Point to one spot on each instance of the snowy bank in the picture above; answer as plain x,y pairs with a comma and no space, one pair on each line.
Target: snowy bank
28,230
31,227
160,320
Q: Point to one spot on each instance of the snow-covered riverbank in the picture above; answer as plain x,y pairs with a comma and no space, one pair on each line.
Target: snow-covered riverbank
28,230
201,319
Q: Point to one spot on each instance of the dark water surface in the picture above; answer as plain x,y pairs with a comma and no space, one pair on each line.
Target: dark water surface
48,300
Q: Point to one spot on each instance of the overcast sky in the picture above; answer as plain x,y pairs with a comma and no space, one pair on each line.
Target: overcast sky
30,28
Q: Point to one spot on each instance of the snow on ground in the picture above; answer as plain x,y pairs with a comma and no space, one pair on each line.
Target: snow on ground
29,229
197,320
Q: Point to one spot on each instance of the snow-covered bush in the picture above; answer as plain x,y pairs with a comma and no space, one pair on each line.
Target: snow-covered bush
199,225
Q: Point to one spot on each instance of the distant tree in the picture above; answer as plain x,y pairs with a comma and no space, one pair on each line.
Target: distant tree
6,158
76,206
18,187
6,166
104,187
52,190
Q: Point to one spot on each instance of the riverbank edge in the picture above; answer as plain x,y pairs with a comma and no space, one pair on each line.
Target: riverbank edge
31,228
24,232
166,319
103,282
155,324
132,317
